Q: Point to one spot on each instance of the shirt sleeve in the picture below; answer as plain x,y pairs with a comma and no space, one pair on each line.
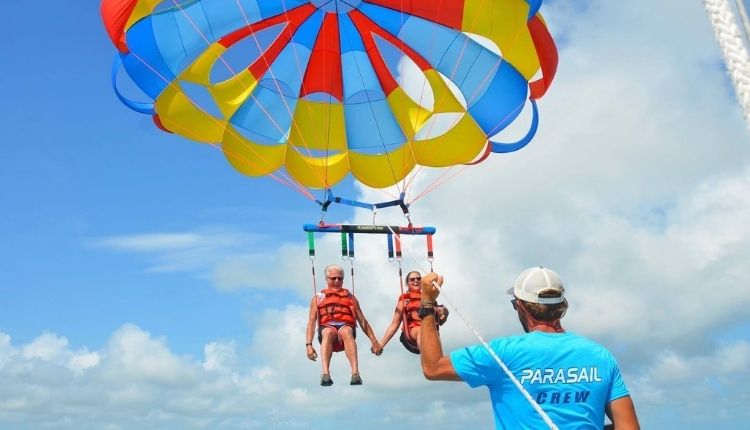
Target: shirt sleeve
474,365
618,388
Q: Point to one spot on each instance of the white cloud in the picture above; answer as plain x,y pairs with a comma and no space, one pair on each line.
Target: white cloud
219,357
46,347
51,348
229,258
155,242
708,387
135,354
6,349
140,383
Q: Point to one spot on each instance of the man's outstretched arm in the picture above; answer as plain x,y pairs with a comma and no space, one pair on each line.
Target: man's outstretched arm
435,365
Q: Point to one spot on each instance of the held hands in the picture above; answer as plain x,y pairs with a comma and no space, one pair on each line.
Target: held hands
311,354
429,292
376,349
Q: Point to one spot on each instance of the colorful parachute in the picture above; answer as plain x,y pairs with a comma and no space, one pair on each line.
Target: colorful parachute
323,88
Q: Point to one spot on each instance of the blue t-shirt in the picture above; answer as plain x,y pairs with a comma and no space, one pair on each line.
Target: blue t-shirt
572,378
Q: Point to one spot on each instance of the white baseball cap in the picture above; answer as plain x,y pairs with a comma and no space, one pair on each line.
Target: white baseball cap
533,281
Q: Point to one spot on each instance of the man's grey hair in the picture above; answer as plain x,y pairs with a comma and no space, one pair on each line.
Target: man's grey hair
332,267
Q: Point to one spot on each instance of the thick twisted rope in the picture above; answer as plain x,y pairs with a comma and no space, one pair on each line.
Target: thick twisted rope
733,49
743,18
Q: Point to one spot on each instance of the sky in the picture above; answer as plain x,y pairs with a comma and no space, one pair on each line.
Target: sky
144,284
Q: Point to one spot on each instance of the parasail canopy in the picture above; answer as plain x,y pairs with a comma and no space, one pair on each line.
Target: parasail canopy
324,88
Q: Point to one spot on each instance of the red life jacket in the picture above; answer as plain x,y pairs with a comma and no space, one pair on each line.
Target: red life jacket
412,301
336,306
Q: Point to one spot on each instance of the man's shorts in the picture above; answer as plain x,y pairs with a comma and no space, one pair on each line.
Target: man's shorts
338,345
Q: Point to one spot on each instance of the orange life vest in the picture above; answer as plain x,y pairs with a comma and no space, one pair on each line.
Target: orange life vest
336,306
412,301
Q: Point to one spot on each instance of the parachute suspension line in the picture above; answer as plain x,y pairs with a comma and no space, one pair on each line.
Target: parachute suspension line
268,68
324,178
408,179
547,54
311,253
733,49
406,183
497,359
403,103
231,70
423,90
374,116
500,124
224,61
327,144
433,39
282,178
399,258
433,185
296,59
439,181
458,62
460,56
413,174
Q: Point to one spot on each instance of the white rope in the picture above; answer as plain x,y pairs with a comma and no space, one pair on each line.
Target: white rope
733,49
502,365
743,19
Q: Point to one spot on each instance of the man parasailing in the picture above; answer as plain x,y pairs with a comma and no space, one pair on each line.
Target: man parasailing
336,312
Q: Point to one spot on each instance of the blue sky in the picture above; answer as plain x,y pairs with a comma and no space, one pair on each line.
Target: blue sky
83,167
146,284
